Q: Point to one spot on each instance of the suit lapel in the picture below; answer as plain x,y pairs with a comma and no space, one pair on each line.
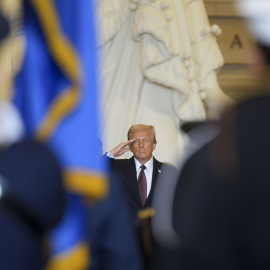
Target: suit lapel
156,171
132,175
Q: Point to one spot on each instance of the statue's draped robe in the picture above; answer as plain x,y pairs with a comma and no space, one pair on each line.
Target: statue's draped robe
158,62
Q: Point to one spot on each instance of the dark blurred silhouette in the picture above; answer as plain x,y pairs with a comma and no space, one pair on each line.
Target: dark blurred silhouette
109,228
220,211
4,26
32,201
32,197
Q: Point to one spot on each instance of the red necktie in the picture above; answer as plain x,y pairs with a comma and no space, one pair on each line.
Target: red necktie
142,184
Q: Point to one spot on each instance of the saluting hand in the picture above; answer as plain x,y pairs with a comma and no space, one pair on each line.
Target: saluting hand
121,148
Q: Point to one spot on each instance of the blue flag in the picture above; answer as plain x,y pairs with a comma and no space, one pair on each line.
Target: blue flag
56,93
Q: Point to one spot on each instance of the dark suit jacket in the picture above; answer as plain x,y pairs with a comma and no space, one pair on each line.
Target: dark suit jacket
129,182
128,178
127,170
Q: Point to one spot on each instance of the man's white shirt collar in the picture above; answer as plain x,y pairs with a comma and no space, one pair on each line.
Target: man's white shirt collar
148,164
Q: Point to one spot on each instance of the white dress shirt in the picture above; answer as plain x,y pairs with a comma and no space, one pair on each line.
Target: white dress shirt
148,172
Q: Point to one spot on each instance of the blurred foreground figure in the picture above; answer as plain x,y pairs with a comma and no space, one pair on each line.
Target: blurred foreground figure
31,193
31,196
220,213
56,93
110,232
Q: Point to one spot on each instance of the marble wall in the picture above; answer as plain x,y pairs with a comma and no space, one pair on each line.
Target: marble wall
235,78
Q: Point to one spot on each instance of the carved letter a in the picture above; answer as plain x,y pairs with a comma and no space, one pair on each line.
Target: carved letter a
236,42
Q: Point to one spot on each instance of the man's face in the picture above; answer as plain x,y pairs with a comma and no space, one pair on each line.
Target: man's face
143,146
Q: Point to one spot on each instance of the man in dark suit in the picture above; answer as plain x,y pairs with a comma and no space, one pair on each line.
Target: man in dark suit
141,142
